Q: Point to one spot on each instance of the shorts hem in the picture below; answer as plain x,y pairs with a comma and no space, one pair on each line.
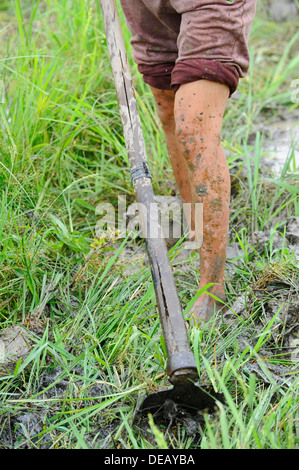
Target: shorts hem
169,76
157,75
190,70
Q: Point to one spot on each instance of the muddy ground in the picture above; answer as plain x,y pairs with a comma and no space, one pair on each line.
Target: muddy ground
270,291
19,428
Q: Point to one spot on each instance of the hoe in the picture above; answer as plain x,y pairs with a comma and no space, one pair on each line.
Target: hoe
182,373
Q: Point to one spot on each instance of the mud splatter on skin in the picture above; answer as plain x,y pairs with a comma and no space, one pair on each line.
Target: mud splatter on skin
187,143
201,190
217,267
186,150
216,185
191,167
200,117
216,204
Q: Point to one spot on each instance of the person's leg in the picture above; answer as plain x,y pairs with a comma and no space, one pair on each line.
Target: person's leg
199,109
192,121
165,107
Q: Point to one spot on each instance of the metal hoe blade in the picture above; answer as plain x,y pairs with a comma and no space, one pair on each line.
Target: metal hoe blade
187,396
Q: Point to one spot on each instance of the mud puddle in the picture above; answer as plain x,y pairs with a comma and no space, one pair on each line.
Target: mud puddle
280,139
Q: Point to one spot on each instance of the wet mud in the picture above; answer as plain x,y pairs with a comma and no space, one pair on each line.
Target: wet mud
273,293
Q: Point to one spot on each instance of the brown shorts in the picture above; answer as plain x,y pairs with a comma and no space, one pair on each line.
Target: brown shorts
180,41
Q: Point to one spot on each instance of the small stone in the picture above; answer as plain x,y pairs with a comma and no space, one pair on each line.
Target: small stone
15,344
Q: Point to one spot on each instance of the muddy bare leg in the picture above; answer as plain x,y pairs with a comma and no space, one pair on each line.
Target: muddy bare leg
165,107
199,109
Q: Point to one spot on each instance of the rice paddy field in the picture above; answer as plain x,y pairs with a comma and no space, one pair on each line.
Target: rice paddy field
80,337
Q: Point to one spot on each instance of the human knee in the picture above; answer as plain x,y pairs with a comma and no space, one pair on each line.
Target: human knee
201,104
198,122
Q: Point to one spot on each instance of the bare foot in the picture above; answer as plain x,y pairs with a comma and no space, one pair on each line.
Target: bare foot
205,306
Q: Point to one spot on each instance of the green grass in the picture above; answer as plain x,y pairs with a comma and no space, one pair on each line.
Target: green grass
93,329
